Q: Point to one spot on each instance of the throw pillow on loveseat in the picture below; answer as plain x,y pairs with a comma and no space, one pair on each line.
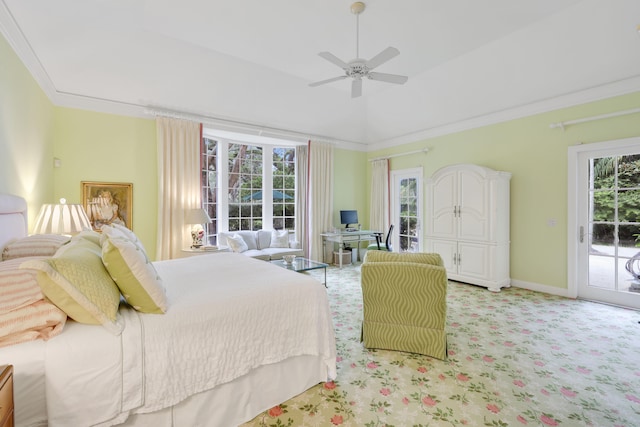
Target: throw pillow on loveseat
261,244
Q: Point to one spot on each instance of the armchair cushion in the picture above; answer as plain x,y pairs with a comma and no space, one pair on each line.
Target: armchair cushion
417,257
404,303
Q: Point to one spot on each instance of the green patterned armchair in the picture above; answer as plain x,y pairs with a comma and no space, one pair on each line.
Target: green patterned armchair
405,302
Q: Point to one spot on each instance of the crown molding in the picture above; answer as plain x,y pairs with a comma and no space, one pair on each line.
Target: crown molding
596,93
18,42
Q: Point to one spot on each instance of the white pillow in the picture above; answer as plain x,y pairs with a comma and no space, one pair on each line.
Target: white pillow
237,243
117,230
280,239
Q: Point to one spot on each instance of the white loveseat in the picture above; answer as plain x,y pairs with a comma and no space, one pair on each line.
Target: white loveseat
261,244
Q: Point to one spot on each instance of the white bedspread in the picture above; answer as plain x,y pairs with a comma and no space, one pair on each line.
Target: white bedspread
227,315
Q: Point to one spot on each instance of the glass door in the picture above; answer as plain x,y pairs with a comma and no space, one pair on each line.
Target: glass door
406,197
608,194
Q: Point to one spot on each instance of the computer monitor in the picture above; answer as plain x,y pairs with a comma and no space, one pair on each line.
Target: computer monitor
348,217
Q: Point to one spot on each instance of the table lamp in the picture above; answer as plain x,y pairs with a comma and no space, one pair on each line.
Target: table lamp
197,217
62,218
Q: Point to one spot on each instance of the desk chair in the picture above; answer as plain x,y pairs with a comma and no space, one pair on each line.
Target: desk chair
377,246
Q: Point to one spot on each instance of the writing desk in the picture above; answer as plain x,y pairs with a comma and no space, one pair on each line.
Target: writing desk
342,237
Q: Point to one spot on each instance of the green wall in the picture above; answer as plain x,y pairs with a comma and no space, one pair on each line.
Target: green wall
349,185
26,122
537,158
109,148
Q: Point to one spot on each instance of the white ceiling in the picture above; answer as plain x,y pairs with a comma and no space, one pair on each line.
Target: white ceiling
251,61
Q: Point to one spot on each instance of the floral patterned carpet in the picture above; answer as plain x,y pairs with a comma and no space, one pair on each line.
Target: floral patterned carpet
516,358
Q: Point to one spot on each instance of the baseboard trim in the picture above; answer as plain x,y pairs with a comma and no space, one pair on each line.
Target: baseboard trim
562,292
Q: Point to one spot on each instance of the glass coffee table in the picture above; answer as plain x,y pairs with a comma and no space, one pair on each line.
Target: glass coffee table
302,264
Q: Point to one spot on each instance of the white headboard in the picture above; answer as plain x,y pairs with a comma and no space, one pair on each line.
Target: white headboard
13,218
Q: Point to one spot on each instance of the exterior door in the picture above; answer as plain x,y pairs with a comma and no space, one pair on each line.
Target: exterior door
606,232
406,210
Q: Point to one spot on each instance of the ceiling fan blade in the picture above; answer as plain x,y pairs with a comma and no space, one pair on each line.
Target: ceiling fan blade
382,57
334,59
389,78
356,88
333,79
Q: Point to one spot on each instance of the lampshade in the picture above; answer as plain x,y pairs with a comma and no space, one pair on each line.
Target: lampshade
196,216
61,219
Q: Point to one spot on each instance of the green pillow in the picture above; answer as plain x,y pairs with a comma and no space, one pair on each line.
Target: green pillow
75,280
134,274
90,235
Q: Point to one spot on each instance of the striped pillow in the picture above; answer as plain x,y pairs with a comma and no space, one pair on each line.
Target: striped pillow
40,320
34,245
18,288
24,313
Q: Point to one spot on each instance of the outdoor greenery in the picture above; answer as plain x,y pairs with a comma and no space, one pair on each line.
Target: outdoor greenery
609,187
408,230
245,186
245,181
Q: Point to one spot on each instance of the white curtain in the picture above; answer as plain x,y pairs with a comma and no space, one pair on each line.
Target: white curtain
379,210
320,196
302,187
179,185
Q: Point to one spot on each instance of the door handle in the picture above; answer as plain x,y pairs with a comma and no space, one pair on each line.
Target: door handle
581,233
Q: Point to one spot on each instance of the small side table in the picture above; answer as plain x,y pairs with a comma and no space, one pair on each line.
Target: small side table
6,396
186,252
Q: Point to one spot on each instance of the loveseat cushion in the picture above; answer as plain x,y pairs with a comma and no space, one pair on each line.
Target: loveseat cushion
277,253
249,238
263,239
257,254
237,243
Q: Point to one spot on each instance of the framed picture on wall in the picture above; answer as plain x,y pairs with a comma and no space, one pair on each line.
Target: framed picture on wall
108,203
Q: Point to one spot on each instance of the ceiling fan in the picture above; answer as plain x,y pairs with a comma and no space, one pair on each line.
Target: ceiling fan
359,68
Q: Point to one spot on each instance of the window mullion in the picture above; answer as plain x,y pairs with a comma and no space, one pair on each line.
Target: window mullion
267,187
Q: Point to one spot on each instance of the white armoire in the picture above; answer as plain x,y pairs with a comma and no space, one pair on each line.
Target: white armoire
467,223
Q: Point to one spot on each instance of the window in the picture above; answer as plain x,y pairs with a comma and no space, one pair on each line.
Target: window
247,186
209,182
284,188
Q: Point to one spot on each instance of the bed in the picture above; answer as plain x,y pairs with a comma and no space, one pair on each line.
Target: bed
239,336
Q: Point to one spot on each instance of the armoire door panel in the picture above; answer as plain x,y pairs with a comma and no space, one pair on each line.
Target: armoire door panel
448,251
473,206
474,260
443,199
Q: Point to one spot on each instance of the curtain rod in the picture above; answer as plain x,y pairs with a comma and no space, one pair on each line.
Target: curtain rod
424,150
265,131
562,125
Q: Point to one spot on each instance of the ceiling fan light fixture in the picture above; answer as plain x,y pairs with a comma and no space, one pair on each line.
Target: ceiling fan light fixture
359,68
